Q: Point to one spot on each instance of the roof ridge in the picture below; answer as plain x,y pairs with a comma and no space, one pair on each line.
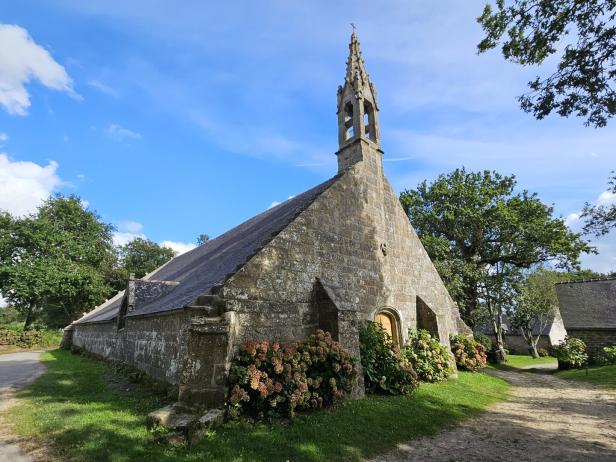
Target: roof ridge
608,278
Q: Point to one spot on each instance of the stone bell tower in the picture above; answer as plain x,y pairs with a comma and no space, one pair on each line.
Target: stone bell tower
358,121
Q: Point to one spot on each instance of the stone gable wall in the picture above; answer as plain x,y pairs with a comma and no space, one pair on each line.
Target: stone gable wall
357,239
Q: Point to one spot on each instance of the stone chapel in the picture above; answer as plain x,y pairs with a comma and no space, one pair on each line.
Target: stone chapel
329,258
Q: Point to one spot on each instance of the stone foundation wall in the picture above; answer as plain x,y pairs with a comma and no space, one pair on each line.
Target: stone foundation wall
154,344
595,339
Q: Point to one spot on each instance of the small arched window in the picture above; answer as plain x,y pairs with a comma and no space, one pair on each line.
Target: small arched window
388,320
348,121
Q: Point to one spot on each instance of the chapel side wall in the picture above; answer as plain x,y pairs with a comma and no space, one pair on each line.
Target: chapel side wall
338,239
153,344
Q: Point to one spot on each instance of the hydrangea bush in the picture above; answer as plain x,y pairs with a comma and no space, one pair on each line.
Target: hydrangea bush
607,356
386,370
273,380
470,354
428,357
571,353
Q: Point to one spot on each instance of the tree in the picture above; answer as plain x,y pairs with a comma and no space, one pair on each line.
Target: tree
52,263
202,239
600,219
141,256
536,306
582,33
480,233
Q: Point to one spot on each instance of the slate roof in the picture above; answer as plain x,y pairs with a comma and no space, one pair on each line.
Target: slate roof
588,304
214,262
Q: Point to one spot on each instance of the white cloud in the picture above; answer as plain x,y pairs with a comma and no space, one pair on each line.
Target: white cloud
3,137
606,198
130,230
130,226
572,219
119,133
22,60
124,237
275,203
178,247
24,185
103,88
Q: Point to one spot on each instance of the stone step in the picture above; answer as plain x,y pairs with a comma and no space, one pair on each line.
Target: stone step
186,424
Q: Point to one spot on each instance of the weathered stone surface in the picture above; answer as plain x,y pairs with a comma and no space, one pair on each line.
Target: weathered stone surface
173,417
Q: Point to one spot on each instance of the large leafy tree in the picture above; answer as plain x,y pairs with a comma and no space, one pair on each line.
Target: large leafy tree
52,263
480,233
142,256
582,33
600,219
139,257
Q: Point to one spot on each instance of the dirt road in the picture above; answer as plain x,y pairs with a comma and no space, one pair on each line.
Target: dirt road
545,419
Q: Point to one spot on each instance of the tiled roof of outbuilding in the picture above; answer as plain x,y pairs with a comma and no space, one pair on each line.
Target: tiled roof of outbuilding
588,304
214,262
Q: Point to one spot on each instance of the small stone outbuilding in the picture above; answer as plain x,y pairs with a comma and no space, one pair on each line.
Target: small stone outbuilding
330,258
588,309
553,333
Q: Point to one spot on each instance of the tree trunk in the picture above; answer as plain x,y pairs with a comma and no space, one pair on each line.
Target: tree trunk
533,351
498,349
527,333
29,317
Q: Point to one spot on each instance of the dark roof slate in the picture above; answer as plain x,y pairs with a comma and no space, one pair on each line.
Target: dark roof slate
212,263
588,304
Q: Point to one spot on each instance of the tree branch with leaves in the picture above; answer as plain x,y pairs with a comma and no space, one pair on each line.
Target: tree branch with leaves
581,32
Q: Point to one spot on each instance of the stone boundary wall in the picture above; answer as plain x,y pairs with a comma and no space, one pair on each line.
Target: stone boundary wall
155,345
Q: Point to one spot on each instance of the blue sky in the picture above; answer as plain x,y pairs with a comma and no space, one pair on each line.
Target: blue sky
173,119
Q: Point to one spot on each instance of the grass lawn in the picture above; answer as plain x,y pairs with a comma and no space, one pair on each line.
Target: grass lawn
527,360
86,413
604,376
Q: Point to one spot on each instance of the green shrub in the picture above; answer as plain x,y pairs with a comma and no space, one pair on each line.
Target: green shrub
385,369
12,335
571,353
484,340
607,357
470,355
270,380
543,352
428,357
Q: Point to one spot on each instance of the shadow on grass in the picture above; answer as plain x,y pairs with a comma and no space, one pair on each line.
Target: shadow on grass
73,405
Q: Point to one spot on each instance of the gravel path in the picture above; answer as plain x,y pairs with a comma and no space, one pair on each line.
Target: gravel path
545,419
16,370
